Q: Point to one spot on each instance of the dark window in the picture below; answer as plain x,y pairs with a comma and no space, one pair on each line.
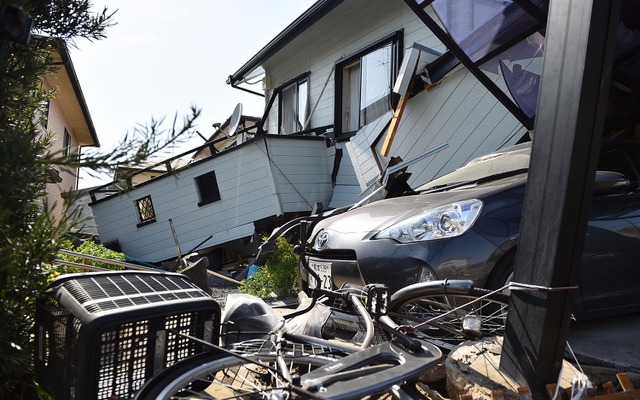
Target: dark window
66,142
146,213
293,106
207,188
364,83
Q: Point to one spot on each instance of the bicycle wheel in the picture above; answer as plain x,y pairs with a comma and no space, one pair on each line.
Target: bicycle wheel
219,375
451,318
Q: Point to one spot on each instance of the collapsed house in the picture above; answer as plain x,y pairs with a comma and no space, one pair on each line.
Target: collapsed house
347,86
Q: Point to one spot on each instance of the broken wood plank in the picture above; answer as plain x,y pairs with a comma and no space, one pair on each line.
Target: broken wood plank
524,393
562,393
612,394
551,390
608,387
393,125
625,382
497,395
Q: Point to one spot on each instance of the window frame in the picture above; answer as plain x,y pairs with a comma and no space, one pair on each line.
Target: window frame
44,114
214,196
297,81
141,220
396,39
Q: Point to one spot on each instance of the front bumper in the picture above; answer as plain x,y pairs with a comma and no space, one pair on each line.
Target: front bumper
398,265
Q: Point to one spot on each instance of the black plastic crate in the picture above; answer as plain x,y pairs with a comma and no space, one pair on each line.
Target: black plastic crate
102,335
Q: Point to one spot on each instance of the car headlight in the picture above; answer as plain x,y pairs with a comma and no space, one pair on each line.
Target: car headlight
438,223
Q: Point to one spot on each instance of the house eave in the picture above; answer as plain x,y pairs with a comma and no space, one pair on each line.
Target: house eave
302,23
71,97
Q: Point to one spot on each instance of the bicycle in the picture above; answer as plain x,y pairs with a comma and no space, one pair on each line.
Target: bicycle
433,316
449,312
288,366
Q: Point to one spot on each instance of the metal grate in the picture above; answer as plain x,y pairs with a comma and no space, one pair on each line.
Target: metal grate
104,293
102,335
124,354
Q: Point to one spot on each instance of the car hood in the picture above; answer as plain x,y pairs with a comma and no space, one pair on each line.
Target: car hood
379,215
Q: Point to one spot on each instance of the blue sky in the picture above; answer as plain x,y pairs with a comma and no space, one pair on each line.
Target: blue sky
165,55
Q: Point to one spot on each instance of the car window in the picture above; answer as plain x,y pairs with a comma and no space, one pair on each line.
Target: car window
626,162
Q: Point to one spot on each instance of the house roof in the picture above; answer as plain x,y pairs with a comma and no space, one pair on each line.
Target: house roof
304,21
71,97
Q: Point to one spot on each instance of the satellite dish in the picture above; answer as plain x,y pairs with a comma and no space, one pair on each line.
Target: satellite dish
234,120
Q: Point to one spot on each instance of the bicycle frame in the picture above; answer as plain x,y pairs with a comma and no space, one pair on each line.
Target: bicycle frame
366,370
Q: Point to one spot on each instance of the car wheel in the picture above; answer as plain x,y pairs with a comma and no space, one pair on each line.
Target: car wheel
502,273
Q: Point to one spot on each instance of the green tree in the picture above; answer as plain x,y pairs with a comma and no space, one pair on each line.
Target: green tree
29,236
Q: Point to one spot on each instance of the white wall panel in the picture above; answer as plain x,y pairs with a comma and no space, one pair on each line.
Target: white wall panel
250,186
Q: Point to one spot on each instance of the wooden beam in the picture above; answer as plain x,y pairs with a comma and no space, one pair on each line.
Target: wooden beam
405,76
393,125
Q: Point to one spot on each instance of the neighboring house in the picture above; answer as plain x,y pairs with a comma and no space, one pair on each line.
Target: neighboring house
86,228
135,175
347,85
69,123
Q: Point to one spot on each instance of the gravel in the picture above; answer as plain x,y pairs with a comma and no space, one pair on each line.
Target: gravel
220,293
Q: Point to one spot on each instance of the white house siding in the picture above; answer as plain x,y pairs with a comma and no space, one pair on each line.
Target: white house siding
246,196
251,188
459,111
56,124
347,187
360,151
302,171
350,27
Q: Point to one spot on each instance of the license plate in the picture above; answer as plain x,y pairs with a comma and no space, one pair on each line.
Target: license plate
323,269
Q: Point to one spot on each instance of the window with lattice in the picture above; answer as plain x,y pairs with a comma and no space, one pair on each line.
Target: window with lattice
146,213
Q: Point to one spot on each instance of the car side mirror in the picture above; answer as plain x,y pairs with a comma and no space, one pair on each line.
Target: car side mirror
609,182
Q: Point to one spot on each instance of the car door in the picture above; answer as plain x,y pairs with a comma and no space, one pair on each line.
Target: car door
610,272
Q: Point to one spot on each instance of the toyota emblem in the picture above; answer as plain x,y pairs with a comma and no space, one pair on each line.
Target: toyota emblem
322,240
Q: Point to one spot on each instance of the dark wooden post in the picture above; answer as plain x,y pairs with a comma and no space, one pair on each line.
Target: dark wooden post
568,129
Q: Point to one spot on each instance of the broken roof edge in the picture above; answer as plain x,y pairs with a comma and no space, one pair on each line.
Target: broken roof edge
302,23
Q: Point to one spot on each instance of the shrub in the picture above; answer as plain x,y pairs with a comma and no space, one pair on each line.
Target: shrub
90,248
279,275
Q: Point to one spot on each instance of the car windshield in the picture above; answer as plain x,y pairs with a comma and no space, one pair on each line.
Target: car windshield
498,164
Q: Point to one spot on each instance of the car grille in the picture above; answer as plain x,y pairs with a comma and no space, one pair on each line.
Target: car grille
344,255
